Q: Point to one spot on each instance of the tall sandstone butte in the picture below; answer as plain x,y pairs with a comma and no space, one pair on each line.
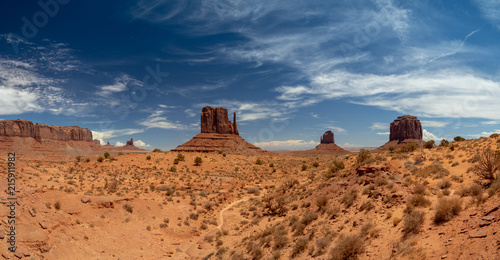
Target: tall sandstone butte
215,120
405,127
25,128
327,138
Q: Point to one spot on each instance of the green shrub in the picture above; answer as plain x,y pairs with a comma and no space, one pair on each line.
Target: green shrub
198,161
349,198
459,139
304,167
409,147
100,159
176,161
57,205
148,157
173,169
259,162
429,144
128,208
363,155
78,158
156,150
181,157
488,164
444,143
106,155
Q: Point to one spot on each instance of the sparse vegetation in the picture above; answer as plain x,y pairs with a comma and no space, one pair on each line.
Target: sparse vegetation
128,208
487,165
446,209
198,161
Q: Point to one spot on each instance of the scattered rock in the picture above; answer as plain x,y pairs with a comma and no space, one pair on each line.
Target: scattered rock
85,199
32,212
327,138
444,256
18,255
5,255
478,234
473,213
495,208
488,218
200,247
42,224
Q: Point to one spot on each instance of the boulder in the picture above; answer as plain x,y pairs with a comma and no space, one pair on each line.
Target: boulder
405,127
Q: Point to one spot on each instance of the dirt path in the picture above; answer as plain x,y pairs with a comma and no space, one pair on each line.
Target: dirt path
190,249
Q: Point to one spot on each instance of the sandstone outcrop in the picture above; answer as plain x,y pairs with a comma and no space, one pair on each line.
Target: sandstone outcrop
131,142
405,127
25,128
215,120
218,133
404,130
327,138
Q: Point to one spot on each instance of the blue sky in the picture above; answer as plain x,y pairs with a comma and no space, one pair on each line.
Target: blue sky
291,70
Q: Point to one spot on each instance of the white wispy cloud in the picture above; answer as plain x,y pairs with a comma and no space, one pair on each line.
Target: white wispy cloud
485,134
442,93
490,10
383,133
119,144
287,145
158,120
121,83
428,123
189,112
379,126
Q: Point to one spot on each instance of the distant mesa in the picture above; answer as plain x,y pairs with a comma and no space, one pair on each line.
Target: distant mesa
39,132
403,130
327,146
218,133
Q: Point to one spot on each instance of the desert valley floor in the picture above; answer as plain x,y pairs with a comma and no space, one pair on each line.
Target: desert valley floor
428,204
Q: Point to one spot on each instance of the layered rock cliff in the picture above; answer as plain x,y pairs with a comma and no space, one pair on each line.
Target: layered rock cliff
25,128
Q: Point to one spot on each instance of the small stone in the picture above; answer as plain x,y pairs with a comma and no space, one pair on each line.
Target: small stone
488,218
32,212
5,255
478,234
484,223
444,256
85,199
2,235
200,247
43,225
18,255
473,213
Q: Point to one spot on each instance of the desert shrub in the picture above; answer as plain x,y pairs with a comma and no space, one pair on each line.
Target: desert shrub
315,164
128,208
322,244
259,162
57,205
274,205
156,150
409,147
444,143
198,161
349,198
347,247
391,149
181,157
418,200
173,169
300,246
337,166
321,202
419,189
446,209
280,237
148,157
100,159
413,223
487,165
471,191
366,206
308,218
444,184
435,170
106,155
271,165
304,167
78,158
253,191
459,139
363,155
429,144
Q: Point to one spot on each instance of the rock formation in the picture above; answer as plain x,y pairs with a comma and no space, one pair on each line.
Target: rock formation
327,138
131,142
327,146
215,120
404,130
25,128
405,127
218,133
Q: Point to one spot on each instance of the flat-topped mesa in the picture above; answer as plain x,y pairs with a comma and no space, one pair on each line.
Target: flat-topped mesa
25,128
405,127
327,138
215,120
